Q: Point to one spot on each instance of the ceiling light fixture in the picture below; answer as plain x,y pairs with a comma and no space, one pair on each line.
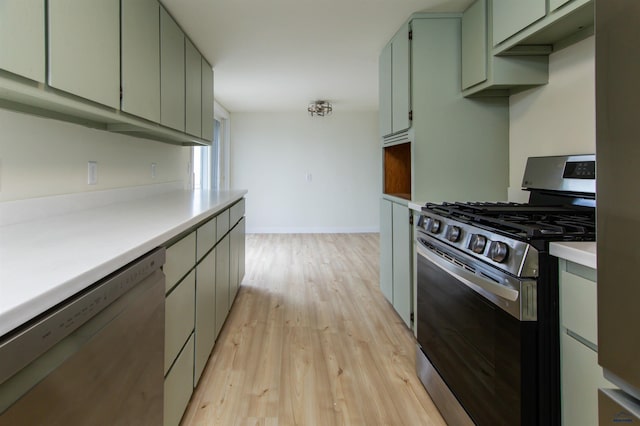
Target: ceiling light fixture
320,108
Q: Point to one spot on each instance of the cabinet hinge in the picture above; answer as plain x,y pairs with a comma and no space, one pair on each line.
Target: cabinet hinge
410,34
411,317
410,115
410,219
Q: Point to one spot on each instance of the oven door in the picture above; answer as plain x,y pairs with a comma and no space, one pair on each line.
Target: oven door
471,329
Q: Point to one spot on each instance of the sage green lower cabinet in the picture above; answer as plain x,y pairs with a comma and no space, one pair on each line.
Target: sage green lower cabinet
386,249
179,318
222,282
178,385
581,375
205,326
203,271
395,258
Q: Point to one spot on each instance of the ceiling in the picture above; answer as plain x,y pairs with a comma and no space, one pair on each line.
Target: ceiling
279,55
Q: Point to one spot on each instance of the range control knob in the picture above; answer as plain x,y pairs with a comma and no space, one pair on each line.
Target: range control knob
426,224
436,225
453,233
477,243
498,251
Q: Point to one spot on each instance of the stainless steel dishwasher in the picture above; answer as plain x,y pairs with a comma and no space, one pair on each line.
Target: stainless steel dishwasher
96,359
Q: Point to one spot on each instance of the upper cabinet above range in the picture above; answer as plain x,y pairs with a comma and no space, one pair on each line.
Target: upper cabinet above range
506,43
98,63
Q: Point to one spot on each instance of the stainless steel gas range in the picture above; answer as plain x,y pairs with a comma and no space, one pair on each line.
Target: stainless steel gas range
487,296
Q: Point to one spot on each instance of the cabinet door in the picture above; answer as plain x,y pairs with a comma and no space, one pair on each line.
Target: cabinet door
386,249
581,378
474,44
193,76
402,300
205,332
241,255
172,73
554,4
234,247
179,318
178,386
207,101
84,49
222,282
181,257
511,16
22,38
141,58
385,94
401,88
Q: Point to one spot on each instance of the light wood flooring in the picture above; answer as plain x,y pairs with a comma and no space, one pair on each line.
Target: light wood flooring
311,340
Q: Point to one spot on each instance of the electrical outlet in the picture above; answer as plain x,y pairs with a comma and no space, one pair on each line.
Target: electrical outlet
92,173
154,167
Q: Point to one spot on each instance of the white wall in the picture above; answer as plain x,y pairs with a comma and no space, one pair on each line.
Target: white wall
556,119
40,157
271,154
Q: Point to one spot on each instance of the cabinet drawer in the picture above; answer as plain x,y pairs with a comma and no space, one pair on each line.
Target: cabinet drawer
181,257
581,377
222,224
178,386
578,297
179,318
236,213
206,238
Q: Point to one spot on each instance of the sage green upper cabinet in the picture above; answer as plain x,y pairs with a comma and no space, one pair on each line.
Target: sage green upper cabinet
385,91
512,16
141,58
22,38
207,101
172,73
474,44
485,74
395,87
401,89
193,87
84,49
554,4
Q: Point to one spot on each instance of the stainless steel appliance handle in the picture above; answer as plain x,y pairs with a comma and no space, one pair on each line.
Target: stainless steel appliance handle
468,278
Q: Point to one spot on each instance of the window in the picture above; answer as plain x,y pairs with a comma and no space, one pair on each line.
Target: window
206,161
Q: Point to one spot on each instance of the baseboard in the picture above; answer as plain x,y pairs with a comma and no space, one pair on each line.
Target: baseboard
320,230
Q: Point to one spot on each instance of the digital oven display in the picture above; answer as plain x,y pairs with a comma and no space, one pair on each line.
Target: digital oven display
580,170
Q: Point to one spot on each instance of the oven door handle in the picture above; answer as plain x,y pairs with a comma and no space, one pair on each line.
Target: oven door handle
468,278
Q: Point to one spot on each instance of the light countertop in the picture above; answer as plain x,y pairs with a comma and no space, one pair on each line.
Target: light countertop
582,252
48,259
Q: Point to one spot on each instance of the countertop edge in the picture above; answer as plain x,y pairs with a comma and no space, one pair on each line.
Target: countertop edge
581,252
13,315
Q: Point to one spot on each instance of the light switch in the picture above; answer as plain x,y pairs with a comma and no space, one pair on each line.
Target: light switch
92,173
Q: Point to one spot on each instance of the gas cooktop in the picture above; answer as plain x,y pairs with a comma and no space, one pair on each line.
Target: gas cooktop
522,221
